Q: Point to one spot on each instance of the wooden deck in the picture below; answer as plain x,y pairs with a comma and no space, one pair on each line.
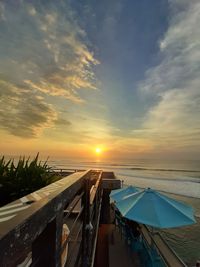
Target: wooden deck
112,251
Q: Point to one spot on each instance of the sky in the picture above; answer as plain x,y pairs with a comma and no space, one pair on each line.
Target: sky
121,76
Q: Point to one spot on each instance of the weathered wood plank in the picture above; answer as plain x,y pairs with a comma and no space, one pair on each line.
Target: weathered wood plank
20,232
111,184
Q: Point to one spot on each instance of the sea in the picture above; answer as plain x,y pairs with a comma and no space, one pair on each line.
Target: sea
177,179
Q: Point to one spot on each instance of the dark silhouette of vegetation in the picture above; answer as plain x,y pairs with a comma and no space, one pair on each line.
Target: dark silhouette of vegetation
23,178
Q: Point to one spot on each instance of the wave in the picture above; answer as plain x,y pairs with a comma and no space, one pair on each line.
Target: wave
125,168
179,186
180,179
129,167
162,170
136,165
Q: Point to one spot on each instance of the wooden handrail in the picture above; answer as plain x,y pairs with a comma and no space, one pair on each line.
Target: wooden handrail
30,225
94,188
166,252
33,224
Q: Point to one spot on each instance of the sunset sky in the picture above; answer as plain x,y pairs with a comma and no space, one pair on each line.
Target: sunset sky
119,75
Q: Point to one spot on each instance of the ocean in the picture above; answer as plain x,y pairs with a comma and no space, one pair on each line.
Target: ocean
178,179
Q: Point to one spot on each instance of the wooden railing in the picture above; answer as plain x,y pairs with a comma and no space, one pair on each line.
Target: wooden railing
156,242
56,225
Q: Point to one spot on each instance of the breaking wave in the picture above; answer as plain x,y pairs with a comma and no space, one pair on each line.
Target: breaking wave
163,170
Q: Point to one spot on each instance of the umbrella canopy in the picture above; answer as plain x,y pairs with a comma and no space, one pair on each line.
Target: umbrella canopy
119,194
152,208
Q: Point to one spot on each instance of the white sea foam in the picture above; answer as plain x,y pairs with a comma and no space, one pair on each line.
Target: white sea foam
185,188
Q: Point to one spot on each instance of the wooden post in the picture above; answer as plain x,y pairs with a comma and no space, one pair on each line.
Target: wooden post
59,229
86,222
105,211
44,247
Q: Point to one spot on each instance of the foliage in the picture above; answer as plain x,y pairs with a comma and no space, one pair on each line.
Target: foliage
23,178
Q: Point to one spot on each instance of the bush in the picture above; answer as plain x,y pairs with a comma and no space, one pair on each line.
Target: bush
26,177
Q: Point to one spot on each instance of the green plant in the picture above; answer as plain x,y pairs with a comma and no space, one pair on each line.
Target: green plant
23,178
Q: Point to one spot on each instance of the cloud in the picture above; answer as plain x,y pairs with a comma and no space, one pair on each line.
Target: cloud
2,12
62,122
44,45
31,10
54,89
174,83
23,113
44,54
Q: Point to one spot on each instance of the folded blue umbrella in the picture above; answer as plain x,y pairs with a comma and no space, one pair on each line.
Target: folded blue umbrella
155,209
119,194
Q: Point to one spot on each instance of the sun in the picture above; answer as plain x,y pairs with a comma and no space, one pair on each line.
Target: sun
98,150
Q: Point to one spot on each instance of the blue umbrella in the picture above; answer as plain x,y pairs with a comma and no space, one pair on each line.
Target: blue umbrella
152,208
119,194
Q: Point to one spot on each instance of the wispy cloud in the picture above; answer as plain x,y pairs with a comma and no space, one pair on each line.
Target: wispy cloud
2,10
43,52
22,113
175,82
47,48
